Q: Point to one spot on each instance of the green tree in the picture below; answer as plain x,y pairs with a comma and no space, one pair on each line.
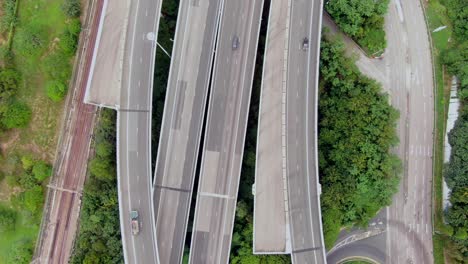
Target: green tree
42,171
17,115
358,173
362,20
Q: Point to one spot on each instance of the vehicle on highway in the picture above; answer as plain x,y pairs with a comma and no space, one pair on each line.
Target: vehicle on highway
235,43
135,222
305,44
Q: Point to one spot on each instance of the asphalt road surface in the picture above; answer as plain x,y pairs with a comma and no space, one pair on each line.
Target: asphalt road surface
225,131
409,67
134,132
301,128
187,90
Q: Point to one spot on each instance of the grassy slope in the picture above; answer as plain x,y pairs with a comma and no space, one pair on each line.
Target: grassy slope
40,137
436,17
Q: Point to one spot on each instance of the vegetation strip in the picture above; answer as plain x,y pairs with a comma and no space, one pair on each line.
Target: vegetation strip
450,51
99,239
362,20
358,173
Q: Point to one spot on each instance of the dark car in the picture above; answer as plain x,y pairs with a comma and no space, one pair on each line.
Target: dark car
235,43
305,44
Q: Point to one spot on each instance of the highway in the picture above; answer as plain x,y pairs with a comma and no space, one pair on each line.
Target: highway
225,131
407,77
186,95
134,132
301,133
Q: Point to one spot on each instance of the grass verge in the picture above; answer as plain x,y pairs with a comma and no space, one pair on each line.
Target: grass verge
436,17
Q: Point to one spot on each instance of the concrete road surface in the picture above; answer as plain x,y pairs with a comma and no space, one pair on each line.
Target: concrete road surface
134,132
105,80
189,77
225,131
301,133
271,225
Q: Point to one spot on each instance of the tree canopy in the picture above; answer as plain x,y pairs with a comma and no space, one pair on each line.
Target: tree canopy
363,20
17,115
358,173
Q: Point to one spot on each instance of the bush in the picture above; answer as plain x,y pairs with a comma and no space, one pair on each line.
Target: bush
21,253
8,17
9,82
28,162
56,90
17,115
33,199
7,219
42,171
72,8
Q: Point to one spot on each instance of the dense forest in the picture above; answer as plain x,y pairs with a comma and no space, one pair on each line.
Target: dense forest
363,20
455,58
359,175
99,238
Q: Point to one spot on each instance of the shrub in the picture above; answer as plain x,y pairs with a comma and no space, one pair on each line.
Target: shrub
33,199
56,90
21,253
72,8
7,219
42,171
9,82
17,115
28,162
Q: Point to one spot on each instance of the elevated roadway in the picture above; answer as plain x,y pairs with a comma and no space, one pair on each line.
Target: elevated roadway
225,131
128,89
187,90
301,133
271,225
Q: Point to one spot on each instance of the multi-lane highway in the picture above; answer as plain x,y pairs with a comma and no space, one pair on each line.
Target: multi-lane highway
189,77
134,132
225,131
301,133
